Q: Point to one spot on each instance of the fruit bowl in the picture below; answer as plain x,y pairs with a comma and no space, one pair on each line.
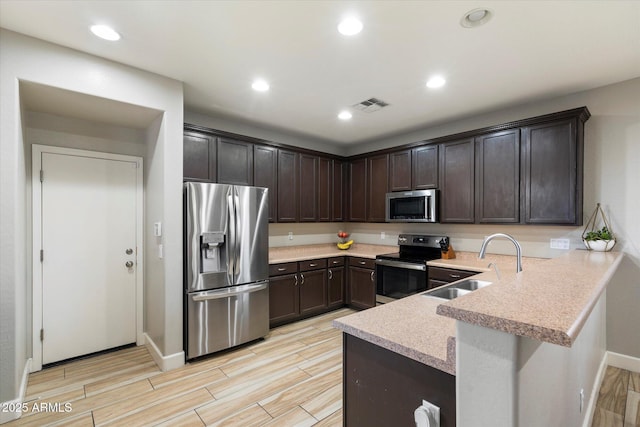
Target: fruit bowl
344,244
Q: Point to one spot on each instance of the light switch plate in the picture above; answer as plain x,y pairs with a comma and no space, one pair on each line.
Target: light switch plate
560,244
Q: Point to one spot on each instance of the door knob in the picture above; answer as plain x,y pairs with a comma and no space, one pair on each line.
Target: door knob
129,251
129,264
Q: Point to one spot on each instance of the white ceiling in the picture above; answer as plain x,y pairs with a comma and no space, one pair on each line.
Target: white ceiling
530,50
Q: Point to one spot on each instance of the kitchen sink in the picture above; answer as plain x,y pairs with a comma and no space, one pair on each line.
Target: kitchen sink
447,293
471,284
456,289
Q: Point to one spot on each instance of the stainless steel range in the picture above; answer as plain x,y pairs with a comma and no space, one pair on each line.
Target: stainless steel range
405,273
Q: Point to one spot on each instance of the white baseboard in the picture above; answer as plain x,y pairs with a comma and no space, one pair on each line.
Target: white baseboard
165,363
610,359
623,361
15,406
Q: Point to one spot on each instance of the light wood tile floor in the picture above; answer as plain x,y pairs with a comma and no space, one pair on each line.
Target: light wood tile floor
294,377
618,403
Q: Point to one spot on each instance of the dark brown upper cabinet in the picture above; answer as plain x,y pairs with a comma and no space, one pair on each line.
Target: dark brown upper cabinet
199,157
400,171
265,174
357,191
498,177
377,186
235,162
552,162
287,198
424,173
457,181
308,189
338,191
325,178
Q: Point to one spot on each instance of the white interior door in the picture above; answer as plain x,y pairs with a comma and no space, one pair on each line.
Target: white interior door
89,235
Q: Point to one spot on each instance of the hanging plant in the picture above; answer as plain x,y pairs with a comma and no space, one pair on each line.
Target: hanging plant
596,239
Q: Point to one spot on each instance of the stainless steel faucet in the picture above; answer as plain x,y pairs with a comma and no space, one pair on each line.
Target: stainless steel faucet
483,249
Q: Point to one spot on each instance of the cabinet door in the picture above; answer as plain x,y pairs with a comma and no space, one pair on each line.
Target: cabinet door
336,287
551,163
498,177
287,186
362,287
377,186
358,190
308,190
265,166
198,157
235,162
313,291
284,301
457,181
424,173
337,195
400,171
325,174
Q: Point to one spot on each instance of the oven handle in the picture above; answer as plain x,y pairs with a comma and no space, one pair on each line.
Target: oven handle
405,265
230,292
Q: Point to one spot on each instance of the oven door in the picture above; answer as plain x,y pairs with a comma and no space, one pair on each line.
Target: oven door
399,279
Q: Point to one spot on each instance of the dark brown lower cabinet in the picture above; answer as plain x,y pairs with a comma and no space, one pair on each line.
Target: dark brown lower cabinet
284,302
362,283
336,287
313,291
439,276
383,388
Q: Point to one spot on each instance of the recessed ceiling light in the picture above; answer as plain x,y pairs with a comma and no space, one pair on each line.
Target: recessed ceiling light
476,17
344,115
260,86
105,32
436,82
350,26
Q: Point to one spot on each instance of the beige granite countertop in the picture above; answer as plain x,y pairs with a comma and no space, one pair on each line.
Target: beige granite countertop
326,250
410,327
549,301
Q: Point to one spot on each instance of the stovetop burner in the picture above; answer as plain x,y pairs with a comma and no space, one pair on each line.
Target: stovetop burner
418,248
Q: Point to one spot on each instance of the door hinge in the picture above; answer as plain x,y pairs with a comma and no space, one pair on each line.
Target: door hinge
41,334
41,175
41,255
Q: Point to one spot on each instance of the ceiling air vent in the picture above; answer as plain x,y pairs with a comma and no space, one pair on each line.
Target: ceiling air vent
370,105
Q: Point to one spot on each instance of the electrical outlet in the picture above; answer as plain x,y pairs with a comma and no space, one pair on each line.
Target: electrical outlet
559,244
581,399
291,235
382,235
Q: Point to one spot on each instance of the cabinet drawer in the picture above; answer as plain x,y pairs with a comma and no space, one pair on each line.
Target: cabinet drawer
284,268
449,274
362,262
312,264
336,261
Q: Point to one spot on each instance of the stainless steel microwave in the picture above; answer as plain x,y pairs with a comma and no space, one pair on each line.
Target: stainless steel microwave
412,206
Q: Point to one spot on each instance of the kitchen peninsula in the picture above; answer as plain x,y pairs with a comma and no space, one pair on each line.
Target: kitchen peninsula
520,351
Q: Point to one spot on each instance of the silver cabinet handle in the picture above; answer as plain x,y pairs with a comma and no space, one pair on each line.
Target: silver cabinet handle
330,275
335,262
302,277
313,265
363,262
455,276
128,264
282,269
296,282
372,278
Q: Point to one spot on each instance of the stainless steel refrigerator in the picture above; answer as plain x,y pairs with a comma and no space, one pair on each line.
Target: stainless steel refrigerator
226,274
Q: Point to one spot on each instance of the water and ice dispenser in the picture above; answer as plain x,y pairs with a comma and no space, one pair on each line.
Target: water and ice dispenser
213,257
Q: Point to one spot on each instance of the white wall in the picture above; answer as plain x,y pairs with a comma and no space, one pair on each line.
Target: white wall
507,381
28,59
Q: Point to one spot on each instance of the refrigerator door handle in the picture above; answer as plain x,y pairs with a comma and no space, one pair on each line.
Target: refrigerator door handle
236,221
233,242
226,293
